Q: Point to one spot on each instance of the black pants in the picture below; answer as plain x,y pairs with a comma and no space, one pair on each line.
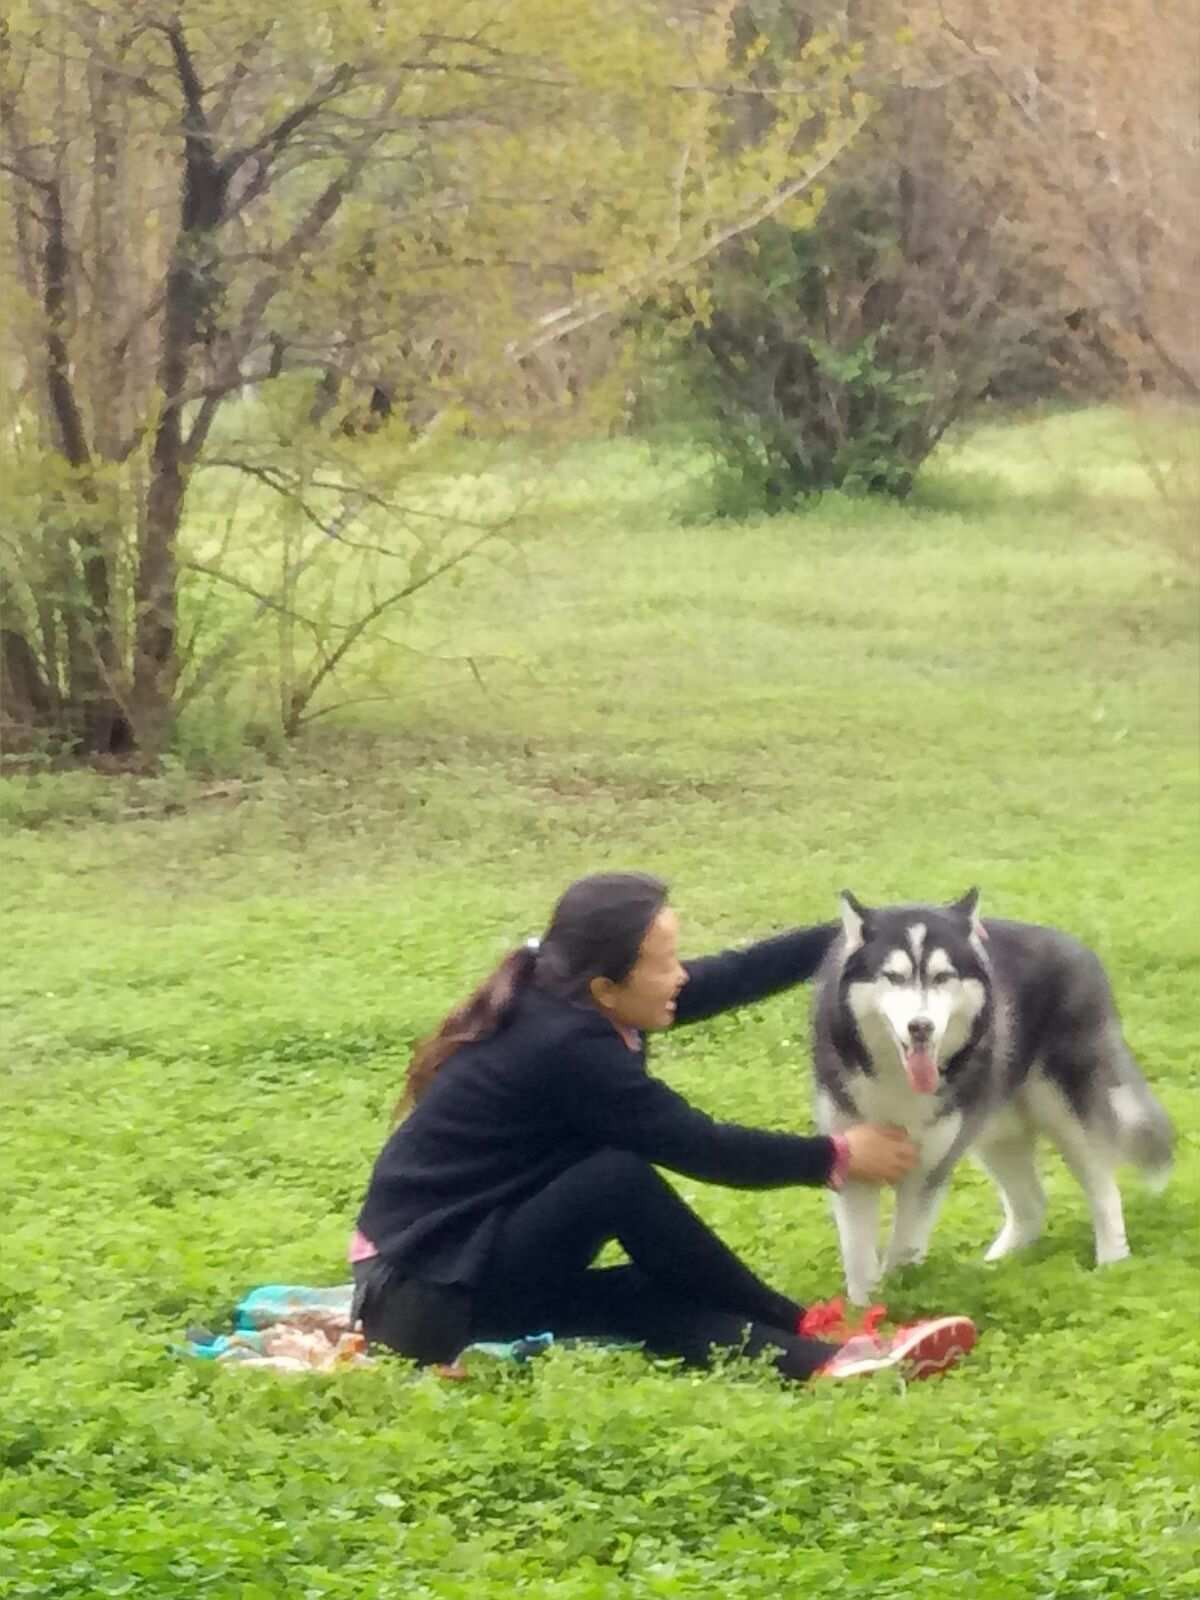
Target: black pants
684,1294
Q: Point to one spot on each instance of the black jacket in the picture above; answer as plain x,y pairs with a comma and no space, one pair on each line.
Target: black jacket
503,1117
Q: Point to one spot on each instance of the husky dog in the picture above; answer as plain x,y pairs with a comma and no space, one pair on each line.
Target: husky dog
977,1036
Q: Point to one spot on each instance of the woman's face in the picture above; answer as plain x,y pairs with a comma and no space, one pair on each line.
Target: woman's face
645,998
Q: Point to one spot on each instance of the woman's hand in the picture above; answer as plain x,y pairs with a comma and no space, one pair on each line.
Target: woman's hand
879,1155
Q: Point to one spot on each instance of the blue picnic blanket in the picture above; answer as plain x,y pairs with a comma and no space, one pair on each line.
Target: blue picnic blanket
273,1306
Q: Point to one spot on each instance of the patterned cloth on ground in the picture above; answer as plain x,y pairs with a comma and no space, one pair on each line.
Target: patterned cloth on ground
296,1328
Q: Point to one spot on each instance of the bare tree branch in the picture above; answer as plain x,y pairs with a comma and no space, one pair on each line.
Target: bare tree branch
266,602
274,139
302,238
274,478
330,662
241,71
55,271
229,646
557,324
23,175
1029,120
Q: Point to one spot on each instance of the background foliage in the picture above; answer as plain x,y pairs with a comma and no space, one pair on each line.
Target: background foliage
326,252
356,217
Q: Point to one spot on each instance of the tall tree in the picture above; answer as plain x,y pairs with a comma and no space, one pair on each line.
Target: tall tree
1094,116
408,203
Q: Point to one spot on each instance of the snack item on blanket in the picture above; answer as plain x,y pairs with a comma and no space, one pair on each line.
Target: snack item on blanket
315,1350
276,1363
291,1349
299,1305
318,1319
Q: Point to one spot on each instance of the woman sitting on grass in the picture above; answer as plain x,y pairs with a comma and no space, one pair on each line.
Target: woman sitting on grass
531,1138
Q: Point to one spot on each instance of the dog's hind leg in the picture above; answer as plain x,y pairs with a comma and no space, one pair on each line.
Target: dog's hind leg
1094,1171
856,1211
1010,1162
1108,1216
1092,1157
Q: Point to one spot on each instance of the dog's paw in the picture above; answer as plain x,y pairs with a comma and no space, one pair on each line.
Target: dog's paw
904,1258
861,1294
1000,1247
1107,1254
1007,1241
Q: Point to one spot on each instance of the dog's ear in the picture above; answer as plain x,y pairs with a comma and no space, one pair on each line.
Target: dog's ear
968,905
854,921
968,908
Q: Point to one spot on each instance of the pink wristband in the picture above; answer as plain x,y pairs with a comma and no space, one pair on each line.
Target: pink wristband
841,1161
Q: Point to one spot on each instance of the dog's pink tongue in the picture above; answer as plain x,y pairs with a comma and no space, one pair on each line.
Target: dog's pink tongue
922,1070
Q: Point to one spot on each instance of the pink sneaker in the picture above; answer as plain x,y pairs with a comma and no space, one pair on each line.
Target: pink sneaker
827,1319
919,1350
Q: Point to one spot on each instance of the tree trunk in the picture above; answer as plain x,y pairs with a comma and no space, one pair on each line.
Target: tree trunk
93,667
102,726
26,704
193,294
155,665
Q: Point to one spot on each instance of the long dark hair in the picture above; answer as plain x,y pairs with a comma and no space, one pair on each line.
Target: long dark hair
596,932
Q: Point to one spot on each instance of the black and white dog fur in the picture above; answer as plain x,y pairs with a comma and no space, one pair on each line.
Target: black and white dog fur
976,1036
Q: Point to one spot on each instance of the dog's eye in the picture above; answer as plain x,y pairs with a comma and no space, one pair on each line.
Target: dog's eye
940,978
896,977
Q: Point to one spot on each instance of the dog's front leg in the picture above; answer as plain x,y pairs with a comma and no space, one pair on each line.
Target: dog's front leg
918,1198
856,1211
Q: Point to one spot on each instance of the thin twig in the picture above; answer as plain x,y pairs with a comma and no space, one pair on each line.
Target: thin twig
332,661
267,602
269,475
570,318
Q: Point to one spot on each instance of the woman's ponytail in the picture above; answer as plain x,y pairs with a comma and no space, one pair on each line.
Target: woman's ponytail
484,1013
596,931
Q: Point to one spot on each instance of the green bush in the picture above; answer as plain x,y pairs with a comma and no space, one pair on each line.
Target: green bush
39,799
789,406
834,351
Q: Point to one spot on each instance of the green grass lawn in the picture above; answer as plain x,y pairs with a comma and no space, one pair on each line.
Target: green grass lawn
210,988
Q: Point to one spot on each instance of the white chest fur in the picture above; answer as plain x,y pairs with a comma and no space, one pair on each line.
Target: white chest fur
891,1100
894,1104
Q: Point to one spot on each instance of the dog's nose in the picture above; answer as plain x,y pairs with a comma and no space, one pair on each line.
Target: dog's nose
920,1030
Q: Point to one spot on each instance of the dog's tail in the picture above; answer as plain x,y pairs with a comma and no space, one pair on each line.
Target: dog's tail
1145,1132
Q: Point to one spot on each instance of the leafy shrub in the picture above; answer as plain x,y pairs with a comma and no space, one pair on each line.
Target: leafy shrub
790,406
35,800
834,354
